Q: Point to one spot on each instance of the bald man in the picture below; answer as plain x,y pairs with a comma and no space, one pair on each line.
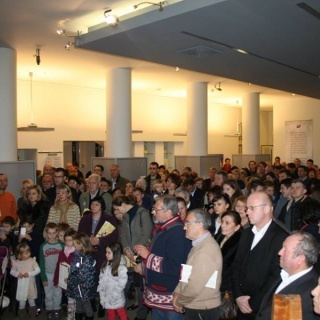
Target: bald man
256,265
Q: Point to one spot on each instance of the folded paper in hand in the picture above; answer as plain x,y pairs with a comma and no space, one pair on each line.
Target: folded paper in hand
63,274
106,229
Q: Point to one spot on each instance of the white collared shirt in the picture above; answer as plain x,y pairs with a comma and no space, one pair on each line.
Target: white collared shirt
286,279
258,235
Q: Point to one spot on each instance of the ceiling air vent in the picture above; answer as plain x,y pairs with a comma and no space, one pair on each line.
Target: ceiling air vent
200,51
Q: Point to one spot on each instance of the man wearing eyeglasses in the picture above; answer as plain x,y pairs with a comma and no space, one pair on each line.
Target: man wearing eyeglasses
256,265
198,294
162,260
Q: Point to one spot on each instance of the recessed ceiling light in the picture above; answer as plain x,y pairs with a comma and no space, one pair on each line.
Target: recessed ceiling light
241,51
177,69
293,94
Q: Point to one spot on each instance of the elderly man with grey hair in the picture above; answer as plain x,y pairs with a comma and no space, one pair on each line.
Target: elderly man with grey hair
168,250
198,292
94,191
298,254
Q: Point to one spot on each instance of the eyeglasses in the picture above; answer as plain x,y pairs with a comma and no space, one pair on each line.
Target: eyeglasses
251,208
157,209
188,223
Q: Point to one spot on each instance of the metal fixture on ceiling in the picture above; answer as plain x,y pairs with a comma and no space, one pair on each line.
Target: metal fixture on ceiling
32,126
111,19
37,55
160,4
218,86
68,34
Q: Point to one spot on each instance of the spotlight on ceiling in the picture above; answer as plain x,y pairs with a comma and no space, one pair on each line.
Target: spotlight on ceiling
37,55
68,45
61,32
111,19
217,86
160,4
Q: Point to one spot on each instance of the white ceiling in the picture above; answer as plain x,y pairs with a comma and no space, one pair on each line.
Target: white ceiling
282,38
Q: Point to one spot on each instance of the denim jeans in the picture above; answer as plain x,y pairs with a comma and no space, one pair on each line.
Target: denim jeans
166,315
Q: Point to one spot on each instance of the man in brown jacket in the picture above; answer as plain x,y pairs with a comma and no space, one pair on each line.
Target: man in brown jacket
198,292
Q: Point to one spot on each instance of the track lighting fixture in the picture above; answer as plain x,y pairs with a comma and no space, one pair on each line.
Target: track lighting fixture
160,4
68,34
111,19
217,86
37,55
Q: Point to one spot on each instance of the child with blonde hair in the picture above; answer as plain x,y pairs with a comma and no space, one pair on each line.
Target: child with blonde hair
24,268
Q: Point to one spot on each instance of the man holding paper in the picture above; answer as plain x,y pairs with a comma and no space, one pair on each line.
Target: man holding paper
198,292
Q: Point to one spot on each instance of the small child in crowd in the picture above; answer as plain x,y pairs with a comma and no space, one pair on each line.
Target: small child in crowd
157,188
49,254
22,268
81,281
66,256
112,281
7,233
62,229
34,240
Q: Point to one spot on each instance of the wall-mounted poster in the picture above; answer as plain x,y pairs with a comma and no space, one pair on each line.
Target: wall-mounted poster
298,140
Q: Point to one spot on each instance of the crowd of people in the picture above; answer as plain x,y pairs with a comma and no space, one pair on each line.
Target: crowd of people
177,243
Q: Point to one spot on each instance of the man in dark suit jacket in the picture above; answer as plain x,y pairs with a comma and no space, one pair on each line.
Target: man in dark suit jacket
196,195
154,174
298,275
256,265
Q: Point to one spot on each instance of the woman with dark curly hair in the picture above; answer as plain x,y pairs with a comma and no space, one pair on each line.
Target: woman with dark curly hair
173,181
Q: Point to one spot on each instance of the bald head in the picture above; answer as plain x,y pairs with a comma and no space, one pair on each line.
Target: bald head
260,209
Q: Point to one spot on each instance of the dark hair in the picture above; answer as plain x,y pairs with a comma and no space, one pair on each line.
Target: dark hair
101,201
286,171
223,196
138,189
234,215
223,174
155,164
272,175
21,248
9,220
234,185
26,218
175,170
117,189
254,184
315,193
268,183
310,211
60,170
291,165
310,160
174,178
304,168
215,190
70,233
116,249
99,166
106,180
63,227
179,199
84,241
120,199
286,182
187,182
75,178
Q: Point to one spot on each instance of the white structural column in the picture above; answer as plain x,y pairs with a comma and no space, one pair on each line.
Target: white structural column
118,103
8,105
197,123
159,152
251,123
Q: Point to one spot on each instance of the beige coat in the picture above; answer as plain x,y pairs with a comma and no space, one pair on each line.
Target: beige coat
31,267
205,258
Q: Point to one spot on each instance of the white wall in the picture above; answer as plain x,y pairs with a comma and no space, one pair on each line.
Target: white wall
78,114
291,110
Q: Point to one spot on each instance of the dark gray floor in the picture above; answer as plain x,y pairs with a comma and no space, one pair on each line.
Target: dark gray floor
131,314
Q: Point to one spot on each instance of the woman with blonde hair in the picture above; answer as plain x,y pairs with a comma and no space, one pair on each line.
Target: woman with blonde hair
23,192
64,210
37,206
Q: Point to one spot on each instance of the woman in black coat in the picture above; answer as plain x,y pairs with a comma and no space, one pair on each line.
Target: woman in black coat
37,206
231,230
